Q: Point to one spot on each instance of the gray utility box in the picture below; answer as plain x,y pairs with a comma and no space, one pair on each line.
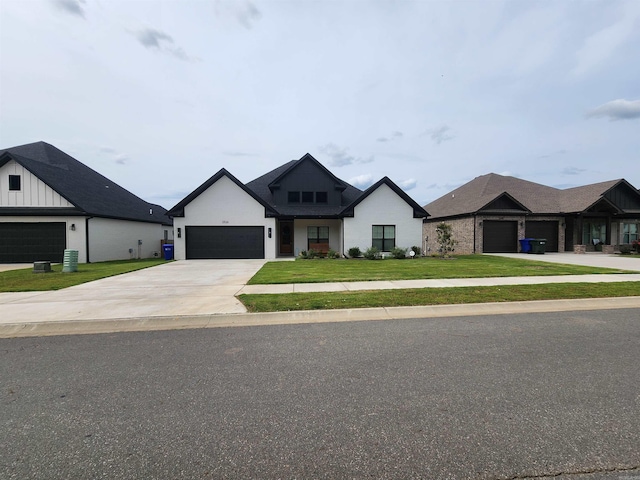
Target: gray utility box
41,267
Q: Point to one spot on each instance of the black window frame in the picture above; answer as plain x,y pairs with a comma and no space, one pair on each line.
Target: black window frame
322,197
15,183
317,238
293,197
384,243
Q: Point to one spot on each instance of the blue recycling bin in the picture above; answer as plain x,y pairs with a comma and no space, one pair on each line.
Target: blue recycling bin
525,245
167,248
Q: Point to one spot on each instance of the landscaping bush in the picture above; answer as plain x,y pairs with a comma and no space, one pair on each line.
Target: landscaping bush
445,239
354,252
417,250
332,254
625,249
372,253
309,254
399,253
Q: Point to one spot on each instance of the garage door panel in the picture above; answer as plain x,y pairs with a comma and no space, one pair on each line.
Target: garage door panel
224,242
22,242
499,236
544,229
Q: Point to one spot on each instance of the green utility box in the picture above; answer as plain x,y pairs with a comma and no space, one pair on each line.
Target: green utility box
538,245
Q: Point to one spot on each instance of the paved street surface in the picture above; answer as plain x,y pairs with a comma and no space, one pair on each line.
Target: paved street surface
483,397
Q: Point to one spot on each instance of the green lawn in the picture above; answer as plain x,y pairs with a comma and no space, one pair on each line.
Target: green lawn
25,280
464,266
435,296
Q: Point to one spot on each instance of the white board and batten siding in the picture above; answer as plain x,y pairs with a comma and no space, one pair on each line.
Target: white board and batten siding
224,204
33,191
382,207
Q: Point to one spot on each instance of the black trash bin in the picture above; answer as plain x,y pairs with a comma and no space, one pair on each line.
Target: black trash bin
538,245
167,248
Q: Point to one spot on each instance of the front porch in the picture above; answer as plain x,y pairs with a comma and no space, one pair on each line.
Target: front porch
295,235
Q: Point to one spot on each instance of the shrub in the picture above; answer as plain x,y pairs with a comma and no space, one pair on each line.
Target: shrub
417,250
625,249
399,253
636,245
354,252
309,254
372,253
332,254
445,239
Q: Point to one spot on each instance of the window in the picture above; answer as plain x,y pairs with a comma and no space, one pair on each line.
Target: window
14,182
594,232
294,197
629,232
321,197
307,197
317,235
384,237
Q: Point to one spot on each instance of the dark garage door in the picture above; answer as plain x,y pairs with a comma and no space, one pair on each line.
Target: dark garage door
224,242
32,242
499,236
541,229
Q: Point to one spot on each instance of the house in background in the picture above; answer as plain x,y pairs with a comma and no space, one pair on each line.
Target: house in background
492,212
298,206
50,202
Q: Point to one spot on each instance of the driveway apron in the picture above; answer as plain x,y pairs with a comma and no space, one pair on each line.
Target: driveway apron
188,287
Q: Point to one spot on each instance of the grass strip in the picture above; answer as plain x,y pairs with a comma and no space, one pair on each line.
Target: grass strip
24,280
463,266
435,296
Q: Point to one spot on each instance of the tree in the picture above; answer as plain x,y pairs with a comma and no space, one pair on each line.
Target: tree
445,240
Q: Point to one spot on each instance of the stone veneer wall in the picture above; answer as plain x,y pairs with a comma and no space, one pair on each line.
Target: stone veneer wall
463,232
462,229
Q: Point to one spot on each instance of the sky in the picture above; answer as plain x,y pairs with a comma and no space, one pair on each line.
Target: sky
160,95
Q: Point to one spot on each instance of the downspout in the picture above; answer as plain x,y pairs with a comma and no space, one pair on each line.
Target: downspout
86,226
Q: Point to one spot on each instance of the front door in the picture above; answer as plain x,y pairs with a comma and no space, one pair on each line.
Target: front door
286,238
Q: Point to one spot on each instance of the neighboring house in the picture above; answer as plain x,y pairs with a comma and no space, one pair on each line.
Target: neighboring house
50,202
492,212
298,206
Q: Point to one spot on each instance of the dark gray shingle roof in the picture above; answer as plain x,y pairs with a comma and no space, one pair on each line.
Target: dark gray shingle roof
90,192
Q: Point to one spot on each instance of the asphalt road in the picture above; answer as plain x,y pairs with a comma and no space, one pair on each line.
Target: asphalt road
505,397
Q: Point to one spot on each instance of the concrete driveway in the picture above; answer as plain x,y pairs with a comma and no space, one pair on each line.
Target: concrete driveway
592,259
188,287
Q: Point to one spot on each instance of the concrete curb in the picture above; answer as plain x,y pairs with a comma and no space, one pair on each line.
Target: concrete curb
143,324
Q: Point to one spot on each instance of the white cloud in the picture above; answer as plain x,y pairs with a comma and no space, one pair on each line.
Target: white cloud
340,156
409,184
602,45
439,134
573,171
362,181
73,7
245,12
617,110
163,42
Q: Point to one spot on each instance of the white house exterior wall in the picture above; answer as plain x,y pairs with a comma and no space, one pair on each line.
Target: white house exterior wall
33,192
300,233
111,239
382,207
224,204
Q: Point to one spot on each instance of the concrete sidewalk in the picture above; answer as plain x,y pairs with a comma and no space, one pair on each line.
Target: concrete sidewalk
202,293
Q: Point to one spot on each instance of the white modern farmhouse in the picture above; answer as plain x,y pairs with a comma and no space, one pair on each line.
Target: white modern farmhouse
298,206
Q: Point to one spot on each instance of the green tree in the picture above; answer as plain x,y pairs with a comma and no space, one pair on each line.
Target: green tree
446,243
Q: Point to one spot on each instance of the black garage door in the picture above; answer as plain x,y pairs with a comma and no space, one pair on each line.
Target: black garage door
32,242
224,242
541,229
499,236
